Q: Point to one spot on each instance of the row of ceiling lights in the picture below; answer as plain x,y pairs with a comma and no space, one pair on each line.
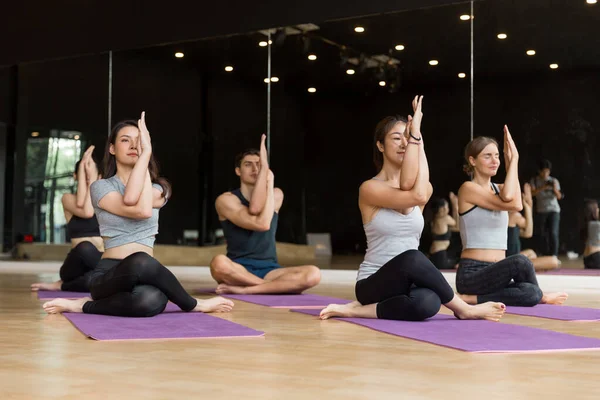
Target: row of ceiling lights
398,47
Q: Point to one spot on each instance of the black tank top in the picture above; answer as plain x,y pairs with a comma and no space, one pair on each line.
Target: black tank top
513,245
83,227
244,243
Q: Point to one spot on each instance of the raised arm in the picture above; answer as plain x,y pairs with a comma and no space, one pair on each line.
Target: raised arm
259,194
452,224
526,228
230,208
377,194
511,190
137,179
410,165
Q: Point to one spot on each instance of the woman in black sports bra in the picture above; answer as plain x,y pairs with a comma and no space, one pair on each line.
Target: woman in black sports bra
442,225
83,230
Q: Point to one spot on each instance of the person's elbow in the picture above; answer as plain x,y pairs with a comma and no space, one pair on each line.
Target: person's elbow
254,210
130,200
407,184
88,213
144,213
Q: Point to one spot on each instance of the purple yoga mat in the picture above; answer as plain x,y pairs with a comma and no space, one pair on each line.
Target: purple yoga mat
52,294
283,300
476,336
562,313
171,324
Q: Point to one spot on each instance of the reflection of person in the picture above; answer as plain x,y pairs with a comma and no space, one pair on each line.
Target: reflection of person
442,226
591,235
249,217
521,226
82,226
395,280
128,281
484,272
546,190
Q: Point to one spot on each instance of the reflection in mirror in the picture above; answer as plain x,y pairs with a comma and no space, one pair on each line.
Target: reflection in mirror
336,80
536,69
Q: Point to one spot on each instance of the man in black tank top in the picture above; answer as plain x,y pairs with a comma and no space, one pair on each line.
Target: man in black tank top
249,217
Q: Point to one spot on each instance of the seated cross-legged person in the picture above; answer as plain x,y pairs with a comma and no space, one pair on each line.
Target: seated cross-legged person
249,217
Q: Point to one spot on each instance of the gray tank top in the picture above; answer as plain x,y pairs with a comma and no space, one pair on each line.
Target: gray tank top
593,239
390,233
118,230
484,229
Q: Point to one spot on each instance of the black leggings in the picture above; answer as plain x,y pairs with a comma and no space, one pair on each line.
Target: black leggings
511,281
76,271
137,286
592,261
408,288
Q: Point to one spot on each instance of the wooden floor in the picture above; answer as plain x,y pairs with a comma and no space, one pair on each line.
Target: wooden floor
45,357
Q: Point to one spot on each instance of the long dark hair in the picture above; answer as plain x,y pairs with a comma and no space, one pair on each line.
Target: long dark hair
590,213
382,128
110,164
473,149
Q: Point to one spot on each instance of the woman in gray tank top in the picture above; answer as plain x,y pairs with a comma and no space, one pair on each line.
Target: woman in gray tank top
591,235
396,281
128,281
484,272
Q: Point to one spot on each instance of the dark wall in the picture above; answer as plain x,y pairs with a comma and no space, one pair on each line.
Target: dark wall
38,30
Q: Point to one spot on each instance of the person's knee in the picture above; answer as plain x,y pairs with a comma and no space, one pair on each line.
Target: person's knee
148,301
85,247
533,296
220,266
523,262
427,306
312,276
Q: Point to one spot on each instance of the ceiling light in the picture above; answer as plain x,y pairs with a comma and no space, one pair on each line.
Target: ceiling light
35,134
591,1
382,83
462,75
179,54
262,44
312,57
266,80
530,52
359,29
433,62
350,71
399,47
76,137
229,68
465,17
312,90
553,66
274,79
502,36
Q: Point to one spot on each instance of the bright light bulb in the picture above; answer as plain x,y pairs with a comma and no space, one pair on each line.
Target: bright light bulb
179,54
359,29
399,47
312,90
350,71
465,17
312,57
433,62
553,66
531,52
229,68
502,36
382,83
462,75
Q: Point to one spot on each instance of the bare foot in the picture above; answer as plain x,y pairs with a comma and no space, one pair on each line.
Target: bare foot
57,306
490,311
224,288
214,304
556,298
54,286
338,310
